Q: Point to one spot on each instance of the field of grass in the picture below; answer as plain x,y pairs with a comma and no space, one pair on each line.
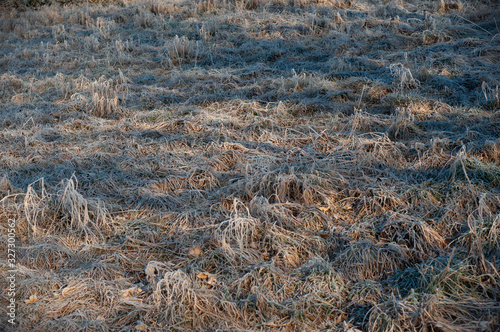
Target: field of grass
251,165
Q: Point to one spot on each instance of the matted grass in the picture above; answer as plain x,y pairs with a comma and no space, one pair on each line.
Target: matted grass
247,165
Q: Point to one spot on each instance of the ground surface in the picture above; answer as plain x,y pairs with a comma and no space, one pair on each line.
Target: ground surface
252,165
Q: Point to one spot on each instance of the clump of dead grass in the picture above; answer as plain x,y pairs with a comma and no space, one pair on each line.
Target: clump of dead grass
422,240
180,50
442,293
403,125
431,311
65,210
184,302
252,196
203,179
404,79
227,160
47,255
367,260
463,166
104,99
239,238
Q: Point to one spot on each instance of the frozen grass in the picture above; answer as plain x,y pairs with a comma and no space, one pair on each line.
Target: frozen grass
252,165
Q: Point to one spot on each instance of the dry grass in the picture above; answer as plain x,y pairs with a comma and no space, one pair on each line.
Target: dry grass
251,165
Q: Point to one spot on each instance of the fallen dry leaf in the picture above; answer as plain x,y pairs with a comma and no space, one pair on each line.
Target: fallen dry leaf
196,252
31,300
131,292
324,209
141,327
133,301
209,278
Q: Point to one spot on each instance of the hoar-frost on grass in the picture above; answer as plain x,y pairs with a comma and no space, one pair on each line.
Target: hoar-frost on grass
251,164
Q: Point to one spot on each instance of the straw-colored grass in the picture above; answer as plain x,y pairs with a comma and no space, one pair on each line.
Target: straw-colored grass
251,165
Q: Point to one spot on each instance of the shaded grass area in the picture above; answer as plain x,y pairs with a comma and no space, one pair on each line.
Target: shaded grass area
252,165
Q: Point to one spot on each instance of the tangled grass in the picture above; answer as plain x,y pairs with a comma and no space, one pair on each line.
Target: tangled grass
323,165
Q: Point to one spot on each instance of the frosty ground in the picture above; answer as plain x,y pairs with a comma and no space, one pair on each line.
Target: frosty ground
252,165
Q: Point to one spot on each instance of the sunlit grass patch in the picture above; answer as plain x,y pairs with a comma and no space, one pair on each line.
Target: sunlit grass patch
242,165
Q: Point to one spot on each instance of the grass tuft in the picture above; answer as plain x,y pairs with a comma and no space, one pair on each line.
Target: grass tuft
243,165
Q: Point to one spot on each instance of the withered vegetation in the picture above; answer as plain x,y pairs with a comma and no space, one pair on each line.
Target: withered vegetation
264,165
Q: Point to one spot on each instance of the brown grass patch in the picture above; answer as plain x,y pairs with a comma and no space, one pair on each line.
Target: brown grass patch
251,165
